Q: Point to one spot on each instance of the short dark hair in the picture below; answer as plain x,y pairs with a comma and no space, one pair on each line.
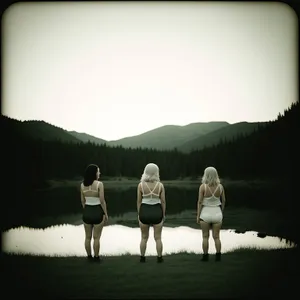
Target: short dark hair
90,174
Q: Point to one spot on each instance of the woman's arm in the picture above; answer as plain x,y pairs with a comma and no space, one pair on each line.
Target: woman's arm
163,200
82,197
223,198
102,199
199,204
139,198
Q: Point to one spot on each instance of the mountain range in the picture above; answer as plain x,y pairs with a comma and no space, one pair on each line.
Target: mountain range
185,138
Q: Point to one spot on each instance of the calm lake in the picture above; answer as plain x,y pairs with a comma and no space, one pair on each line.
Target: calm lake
57,228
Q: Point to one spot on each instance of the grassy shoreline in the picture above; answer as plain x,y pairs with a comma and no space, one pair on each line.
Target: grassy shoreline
242,273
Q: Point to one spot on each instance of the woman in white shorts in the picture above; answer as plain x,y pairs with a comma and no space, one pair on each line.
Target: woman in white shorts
211,203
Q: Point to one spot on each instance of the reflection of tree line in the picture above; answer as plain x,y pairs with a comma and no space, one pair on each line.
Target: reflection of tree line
65,200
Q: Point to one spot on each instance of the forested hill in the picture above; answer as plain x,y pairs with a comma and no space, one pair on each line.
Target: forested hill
225,133
84,137
184,138
35,130
169,136
271,151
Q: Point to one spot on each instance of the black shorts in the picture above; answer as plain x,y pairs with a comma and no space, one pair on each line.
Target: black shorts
151,214
92,214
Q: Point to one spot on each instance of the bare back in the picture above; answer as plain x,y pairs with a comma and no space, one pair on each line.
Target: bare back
148,188
210,190
91,190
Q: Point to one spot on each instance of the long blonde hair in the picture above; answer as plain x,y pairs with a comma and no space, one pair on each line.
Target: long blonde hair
210,176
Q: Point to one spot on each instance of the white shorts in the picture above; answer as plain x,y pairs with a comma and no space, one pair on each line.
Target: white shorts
211,214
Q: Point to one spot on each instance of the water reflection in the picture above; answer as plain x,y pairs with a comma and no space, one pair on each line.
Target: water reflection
121,198
67,240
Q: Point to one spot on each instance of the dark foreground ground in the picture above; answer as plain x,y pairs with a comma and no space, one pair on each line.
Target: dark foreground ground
244,273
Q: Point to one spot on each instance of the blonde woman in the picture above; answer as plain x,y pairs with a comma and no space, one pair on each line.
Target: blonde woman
211,204
151,208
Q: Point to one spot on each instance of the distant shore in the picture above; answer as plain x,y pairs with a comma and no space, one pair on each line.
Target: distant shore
124,182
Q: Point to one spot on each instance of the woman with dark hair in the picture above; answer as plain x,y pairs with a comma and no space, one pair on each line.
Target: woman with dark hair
94,209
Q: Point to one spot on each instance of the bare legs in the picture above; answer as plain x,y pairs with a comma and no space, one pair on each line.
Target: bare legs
96,236
205,227
88,236
205,236
95,231
157,237
144,238
216,235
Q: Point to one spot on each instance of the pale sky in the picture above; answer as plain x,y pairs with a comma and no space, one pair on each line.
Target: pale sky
118,69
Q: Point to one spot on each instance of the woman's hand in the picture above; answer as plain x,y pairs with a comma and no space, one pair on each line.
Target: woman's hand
106,218
198,220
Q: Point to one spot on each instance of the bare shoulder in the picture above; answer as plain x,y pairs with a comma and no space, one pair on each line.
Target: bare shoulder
161,188
222,187
201,187
100,183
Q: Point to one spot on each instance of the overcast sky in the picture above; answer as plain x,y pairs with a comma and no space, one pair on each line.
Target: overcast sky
117,69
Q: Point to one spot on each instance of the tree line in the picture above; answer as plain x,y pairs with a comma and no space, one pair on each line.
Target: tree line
271,151
266,153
